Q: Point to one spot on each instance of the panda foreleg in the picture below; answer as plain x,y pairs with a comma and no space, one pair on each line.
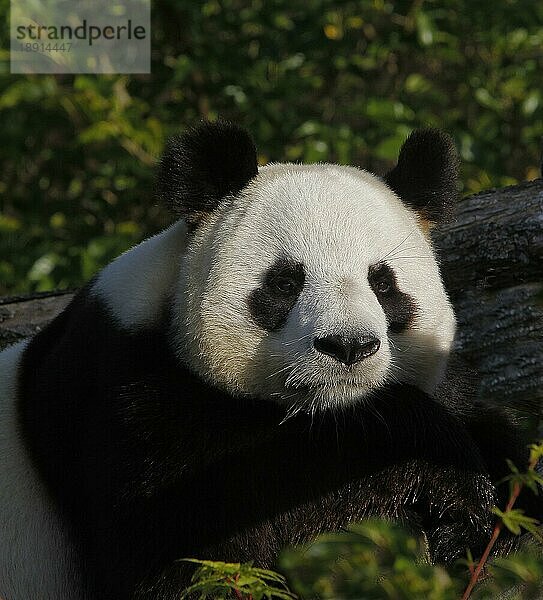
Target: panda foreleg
256,485
498,433
501,439
404,454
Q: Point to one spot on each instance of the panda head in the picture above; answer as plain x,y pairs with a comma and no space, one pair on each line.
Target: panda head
313,285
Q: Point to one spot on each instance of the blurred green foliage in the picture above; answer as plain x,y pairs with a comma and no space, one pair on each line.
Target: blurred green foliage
312,80
376,560
373,560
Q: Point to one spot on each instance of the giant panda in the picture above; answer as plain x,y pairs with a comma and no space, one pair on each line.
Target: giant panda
271,366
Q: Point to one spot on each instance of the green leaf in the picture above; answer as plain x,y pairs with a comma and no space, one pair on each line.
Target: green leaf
515,520
425,28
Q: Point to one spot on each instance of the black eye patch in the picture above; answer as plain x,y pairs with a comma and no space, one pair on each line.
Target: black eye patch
400,309
281,285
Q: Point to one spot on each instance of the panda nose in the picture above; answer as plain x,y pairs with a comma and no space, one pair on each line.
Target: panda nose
347,351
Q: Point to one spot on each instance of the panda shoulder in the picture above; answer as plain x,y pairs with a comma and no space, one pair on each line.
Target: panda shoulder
135,286
126,299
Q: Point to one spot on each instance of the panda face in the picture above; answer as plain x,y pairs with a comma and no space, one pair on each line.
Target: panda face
313,286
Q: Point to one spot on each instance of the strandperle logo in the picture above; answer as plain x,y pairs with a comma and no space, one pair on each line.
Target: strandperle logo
80,36
90,33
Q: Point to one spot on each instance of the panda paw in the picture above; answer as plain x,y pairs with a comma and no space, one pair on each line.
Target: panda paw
459,515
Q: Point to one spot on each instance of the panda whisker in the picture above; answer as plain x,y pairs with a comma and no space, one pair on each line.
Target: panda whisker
289,343
394,366
394,376
288,396
398,348
392,343
288,416
293,410
292,365
279,371
412,258
296,373
403,250
373,410
313,412
396,247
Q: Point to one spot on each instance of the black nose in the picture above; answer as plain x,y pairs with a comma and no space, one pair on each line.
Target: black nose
347,351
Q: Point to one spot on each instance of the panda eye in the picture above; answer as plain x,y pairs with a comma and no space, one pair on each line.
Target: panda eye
381,279
383,286
284,285
284,280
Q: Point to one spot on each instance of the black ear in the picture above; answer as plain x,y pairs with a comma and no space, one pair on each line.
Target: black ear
426,175
202,166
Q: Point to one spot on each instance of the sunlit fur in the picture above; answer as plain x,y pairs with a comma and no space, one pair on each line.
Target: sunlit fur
136,286
337,221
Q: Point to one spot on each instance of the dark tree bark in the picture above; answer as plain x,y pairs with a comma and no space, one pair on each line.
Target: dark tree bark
25,315
492,263
496,241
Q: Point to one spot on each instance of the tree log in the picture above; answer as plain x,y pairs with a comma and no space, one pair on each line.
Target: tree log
492,263
496,241
23,316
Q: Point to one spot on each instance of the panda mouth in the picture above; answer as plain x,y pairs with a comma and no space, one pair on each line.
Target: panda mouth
327,386
327,380
318,387
323,397
334,391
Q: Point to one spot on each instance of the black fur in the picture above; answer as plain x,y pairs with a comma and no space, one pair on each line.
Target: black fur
499,434
149,464
426,176
204,165
400,309
271,303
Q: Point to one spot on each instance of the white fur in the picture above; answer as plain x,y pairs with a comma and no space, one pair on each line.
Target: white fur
135,285
337,221
36,559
